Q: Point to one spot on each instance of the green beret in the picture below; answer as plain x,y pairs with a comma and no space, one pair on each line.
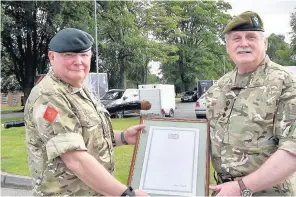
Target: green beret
246,21
71,40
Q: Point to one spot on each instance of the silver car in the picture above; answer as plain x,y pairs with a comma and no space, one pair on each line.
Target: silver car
200,107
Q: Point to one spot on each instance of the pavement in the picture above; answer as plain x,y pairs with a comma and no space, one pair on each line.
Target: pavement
15,181
12,115
15,192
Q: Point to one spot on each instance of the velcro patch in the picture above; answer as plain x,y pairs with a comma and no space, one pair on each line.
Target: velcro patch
50,114
293,110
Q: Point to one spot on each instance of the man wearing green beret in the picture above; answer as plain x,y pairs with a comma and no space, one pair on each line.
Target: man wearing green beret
252,112
69,135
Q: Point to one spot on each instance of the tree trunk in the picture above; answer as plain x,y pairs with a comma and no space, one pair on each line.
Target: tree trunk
145,71
27,92
181,70
122,74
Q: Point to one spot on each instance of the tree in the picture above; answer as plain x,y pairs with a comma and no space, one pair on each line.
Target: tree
125,47
193,28
293,25
27,28
279,51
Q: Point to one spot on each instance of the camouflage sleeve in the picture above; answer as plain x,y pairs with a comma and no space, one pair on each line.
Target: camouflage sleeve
285,120
58,126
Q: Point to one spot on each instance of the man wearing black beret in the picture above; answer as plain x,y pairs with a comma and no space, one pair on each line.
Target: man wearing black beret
69,135
252,112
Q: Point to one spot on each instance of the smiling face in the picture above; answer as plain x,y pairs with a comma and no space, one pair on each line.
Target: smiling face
247,49
71,67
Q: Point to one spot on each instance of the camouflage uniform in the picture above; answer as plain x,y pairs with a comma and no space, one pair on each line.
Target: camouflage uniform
81,123
251,119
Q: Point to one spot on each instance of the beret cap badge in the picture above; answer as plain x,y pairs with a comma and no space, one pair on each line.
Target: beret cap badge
246,21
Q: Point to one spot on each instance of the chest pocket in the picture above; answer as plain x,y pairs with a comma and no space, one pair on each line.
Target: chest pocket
261,104
251,118
92,127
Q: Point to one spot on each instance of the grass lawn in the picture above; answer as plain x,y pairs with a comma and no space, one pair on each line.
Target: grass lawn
13,151
5,110
14,154
124,123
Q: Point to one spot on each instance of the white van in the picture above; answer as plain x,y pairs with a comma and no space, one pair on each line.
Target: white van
161,97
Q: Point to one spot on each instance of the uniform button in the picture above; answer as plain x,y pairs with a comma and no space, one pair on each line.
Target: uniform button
227,102
225,109
224,114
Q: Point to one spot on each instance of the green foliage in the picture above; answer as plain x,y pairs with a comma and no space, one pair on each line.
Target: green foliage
125,49
193,29
184,35
27,27
279,51
293,33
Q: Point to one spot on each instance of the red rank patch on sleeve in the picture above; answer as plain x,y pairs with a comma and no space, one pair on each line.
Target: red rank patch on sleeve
50,114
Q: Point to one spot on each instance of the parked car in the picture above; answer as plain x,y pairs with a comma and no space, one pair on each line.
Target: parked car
200,107
118,96
189,96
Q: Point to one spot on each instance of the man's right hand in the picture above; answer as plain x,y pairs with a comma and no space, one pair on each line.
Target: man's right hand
141,193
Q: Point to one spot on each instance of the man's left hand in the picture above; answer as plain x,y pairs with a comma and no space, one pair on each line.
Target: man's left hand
227,189
131,134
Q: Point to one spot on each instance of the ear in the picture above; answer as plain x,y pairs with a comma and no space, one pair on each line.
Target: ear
265,44
51,57
227,48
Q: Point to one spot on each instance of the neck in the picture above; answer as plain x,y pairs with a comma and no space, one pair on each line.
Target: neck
76,84
246,68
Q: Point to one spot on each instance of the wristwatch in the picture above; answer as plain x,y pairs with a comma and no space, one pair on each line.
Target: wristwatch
123,138
129,192
244,190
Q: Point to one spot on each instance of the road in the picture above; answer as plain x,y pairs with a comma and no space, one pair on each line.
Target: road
185,110
15,192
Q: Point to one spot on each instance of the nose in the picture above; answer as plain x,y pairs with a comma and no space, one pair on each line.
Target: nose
78,59
243,41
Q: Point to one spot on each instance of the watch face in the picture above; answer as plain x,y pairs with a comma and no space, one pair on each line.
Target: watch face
247,193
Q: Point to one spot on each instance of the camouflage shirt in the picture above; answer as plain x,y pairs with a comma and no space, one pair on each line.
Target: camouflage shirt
250,121
58,119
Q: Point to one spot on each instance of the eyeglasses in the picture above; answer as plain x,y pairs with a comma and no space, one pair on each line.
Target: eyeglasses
70,55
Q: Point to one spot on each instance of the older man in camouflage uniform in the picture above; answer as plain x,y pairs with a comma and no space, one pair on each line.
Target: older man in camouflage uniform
69,135
252,112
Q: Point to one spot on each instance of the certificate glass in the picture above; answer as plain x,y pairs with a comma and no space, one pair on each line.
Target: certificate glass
171,158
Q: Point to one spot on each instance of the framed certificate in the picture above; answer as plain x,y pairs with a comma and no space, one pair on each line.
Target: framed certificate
171,158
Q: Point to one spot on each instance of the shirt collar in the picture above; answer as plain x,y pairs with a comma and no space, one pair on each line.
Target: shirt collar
71,89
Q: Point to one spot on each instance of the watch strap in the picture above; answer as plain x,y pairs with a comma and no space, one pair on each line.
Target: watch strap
241,184
123,138
129,192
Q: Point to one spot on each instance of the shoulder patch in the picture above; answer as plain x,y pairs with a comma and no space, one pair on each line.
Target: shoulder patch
50,114
293,110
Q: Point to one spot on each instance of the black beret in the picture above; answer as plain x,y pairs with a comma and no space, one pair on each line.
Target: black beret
246,21
71,40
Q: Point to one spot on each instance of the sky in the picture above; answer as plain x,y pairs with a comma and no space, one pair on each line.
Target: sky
276,16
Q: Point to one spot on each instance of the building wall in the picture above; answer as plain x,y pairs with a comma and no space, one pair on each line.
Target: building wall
11,99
